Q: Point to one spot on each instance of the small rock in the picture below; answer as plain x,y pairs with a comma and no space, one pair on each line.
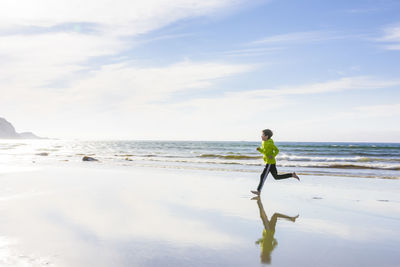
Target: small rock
43,154
128,159
86,158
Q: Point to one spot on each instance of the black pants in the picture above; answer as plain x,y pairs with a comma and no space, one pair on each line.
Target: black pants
271,168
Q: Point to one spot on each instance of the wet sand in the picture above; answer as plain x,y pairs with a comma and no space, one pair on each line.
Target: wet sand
94,216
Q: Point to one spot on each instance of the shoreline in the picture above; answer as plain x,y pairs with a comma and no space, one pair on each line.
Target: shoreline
6,168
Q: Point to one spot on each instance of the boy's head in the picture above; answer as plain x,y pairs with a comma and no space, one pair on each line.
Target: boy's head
266,134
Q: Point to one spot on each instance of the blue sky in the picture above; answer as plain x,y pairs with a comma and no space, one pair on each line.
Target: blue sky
202,70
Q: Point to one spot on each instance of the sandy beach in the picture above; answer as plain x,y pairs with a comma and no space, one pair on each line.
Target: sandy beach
99,216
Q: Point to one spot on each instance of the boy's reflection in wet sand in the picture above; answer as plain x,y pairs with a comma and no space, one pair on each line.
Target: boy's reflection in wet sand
268,242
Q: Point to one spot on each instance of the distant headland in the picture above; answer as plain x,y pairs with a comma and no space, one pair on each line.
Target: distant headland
7,131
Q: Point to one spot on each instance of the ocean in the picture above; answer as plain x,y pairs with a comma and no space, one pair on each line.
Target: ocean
367,160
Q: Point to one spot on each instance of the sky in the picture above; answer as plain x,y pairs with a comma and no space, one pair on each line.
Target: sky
309,70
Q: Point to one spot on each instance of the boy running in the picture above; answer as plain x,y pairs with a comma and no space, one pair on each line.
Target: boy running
269,151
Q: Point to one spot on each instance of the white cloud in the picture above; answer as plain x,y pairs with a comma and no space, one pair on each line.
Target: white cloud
357,113
233,115
141,86
343,84
376,111
255,51
392,33
118,17
297,37
363,10
135,95
391,38
33,60
39,59
44,67
126,101
278,42
377,123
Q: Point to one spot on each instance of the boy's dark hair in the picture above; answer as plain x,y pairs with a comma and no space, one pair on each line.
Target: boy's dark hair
268,132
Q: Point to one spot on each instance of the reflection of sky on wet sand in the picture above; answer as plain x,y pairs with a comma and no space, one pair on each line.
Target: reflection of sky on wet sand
141,217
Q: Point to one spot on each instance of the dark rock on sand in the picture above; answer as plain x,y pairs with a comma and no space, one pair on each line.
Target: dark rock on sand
86,158
42,154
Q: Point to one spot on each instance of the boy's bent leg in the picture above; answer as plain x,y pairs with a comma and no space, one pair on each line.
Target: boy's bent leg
277,176
263,176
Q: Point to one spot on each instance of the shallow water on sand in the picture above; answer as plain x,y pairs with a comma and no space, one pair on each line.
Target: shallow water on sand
147,217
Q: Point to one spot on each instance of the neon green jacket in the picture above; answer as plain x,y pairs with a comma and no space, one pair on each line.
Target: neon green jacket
268,148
